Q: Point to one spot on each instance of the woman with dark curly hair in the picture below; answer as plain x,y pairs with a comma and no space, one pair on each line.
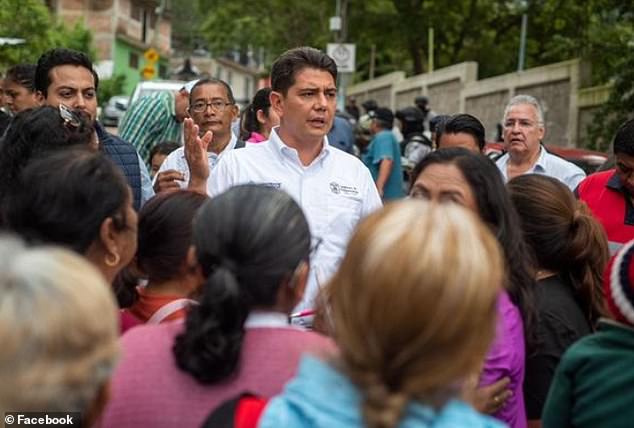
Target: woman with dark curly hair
250,249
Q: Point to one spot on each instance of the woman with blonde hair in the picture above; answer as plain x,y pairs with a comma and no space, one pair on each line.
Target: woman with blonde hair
59,332
413,316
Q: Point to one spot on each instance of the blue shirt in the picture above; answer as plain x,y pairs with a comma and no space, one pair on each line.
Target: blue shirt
551,165
384,146
341,135
322,397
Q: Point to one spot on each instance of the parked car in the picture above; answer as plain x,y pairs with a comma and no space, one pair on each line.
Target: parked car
588,160
149,87
114,110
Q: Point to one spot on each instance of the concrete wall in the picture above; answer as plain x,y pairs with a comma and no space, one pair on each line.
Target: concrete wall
456,89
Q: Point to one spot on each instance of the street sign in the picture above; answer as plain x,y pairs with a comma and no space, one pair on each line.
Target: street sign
151,55
148,72
344,56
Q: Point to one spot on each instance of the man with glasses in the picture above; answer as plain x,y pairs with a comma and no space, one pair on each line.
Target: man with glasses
212,109
524,131
609,194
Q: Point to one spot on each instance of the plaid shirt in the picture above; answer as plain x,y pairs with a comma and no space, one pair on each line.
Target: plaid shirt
149,121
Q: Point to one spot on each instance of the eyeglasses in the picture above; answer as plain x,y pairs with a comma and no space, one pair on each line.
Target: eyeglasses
201,106
70,118
523,124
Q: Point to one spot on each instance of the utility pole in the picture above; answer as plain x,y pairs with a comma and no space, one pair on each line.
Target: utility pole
372,60
522,52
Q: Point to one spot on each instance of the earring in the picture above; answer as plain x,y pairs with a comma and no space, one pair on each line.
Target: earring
110,262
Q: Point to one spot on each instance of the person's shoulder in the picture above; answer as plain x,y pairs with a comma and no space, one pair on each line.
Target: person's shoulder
457,413
502,159
177,153
600,177
147,338
561,163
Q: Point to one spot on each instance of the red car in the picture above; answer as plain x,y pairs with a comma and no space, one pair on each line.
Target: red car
588,160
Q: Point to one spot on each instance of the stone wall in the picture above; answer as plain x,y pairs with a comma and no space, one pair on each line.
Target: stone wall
561,87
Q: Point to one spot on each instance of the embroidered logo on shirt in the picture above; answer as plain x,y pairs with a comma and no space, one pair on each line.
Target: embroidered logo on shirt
272,185
337,189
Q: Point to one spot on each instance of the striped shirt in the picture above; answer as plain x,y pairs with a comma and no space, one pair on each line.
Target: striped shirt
149,121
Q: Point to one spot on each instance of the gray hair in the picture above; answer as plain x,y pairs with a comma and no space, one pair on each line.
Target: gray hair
60,330
525,99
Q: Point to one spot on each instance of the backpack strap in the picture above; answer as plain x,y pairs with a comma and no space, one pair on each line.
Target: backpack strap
243,411
168,309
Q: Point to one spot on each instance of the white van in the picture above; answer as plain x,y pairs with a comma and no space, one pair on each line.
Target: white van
149,87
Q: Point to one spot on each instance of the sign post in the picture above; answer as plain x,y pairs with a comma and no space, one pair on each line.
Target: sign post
151,58
344,55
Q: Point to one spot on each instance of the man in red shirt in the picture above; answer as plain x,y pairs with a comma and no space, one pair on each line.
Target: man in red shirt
609,194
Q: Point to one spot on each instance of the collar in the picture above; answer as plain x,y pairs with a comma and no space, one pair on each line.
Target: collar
230,146
615,183
539,165
283,150
266,319
541,160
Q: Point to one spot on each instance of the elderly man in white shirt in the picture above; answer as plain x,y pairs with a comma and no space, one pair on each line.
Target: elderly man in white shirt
523,132
212,107
334,188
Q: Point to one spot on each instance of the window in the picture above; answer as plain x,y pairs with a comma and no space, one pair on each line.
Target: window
229,77
247,87
162,71
133,60
136,12
218,73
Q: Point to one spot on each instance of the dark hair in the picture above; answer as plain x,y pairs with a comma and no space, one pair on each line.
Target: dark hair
497,211
165,233
291,62
23,75
464,123
563,235
164,148
437,124
211,81
249,121
64,197
33,132
55,58
248,241
411,120
624,139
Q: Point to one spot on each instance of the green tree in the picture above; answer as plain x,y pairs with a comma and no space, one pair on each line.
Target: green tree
32,21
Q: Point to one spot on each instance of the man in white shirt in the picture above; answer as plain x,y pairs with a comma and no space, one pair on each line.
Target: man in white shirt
523,132
334,188
212,108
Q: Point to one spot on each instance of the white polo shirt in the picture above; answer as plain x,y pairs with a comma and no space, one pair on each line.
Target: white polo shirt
176,160
335,191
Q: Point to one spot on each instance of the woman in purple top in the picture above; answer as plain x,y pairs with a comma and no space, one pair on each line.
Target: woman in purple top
472,180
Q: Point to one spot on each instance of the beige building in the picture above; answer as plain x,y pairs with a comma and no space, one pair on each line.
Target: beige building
122,31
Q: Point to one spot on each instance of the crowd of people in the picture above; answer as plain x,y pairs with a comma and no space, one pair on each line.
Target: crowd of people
315,268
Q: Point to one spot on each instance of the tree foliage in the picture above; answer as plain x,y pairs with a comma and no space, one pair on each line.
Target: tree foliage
485,31
32,21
